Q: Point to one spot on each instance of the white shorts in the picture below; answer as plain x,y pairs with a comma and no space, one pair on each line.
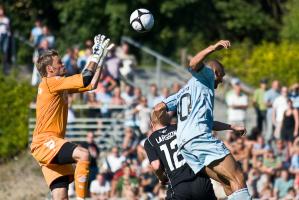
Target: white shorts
201,151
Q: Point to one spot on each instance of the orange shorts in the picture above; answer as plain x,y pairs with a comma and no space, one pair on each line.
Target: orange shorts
44,154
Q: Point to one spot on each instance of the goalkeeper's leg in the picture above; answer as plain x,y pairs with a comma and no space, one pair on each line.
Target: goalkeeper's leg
81,155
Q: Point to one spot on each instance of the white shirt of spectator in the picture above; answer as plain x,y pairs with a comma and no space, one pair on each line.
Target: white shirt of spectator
115,163
96,188
236,115
280,105
144,117
4,25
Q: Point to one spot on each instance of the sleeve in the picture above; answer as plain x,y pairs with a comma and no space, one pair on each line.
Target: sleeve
171,102
57,84
150,151
205,73
276,184
78,90
245,103
267,97
293,162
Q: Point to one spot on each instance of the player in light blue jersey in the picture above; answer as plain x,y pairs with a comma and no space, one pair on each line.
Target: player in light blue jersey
194,105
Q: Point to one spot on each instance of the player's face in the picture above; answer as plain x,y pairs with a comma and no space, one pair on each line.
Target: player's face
58,66
219,74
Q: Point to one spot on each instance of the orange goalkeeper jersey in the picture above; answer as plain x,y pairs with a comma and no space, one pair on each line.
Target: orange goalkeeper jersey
52,106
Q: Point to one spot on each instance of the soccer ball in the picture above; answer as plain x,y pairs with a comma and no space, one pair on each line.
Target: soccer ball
142,20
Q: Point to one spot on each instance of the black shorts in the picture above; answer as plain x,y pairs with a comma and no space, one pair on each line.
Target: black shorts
200,188
64,156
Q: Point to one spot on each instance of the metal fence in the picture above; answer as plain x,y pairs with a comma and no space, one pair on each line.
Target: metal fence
108,131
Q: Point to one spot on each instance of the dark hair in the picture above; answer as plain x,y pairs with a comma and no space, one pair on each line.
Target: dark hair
213,63
44,60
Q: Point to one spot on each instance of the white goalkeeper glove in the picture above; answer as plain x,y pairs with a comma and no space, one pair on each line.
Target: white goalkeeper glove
99,49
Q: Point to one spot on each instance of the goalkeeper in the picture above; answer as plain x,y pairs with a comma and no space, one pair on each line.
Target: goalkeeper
55,154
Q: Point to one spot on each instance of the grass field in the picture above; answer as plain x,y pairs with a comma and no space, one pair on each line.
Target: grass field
21,179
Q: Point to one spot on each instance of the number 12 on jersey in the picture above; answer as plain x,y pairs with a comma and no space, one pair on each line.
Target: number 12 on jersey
174,148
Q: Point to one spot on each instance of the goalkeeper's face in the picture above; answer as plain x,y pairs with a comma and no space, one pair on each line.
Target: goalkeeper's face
57,67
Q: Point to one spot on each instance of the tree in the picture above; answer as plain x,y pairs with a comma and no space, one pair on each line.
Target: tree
290,27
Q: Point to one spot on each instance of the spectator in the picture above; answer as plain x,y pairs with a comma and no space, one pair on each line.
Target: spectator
137,95
253,177
36,31
70,62
113,64
113,161
127,184
259,149
290,123
128,95
4,39
259,104
295,95
46,35
100,188
280,105
270,96
106,83
294,168
263,183
241,153
42,47
93,111
283,184
149,181
291,194
130,143
116,97
84,54
165,93
128,61
175,88
281,152
143,113
94,153
271,163
237,105
153,97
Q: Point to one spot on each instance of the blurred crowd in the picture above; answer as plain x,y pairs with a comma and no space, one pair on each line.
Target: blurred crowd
268,155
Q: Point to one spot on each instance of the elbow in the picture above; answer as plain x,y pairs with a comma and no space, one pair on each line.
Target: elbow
155,165
192,64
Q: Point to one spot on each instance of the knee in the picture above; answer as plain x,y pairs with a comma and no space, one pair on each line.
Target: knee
83,154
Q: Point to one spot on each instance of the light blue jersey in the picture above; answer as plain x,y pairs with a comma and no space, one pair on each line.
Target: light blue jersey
194,105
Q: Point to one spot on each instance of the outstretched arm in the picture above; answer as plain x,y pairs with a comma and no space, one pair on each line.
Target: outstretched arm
220,126
99,52
196,63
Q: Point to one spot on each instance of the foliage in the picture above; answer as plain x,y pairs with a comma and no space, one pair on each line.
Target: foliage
267,60
15,97
290,28
177,22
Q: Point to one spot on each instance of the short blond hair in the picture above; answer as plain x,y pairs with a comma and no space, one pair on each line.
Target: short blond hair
159,115
44,60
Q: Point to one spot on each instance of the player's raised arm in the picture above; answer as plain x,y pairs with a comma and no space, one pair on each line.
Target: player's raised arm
220,126
196,63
